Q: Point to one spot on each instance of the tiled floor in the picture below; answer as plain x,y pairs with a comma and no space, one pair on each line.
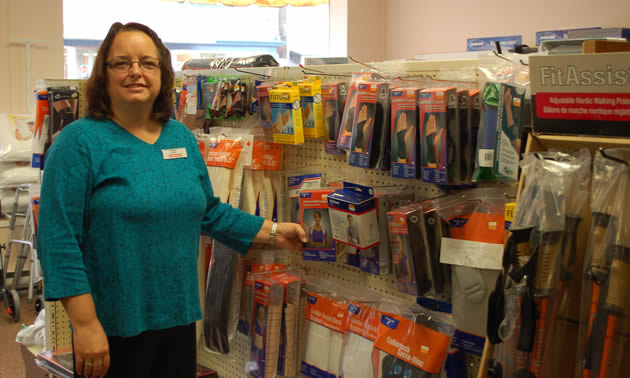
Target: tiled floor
11,361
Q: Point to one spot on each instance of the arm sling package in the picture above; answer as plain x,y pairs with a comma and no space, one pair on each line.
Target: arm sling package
315,218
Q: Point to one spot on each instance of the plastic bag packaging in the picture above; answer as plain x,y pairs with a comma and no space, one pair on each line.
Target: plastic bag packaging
324,325
404,130
266,330
263,60
603,350
309,177
16,134
7,197
346,127
222,299
14,174
334,96
362,324
411,342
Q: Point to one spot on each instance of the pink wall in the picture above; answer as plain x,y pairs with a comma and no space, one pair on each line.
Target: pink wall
415,27
34,20
366,29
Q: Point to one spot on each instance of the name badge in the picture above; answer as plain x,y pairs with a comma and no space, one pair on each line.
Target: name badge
175,153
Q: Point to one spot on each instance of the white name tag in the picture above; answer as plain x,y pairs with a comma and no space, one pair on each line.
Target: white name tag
175,153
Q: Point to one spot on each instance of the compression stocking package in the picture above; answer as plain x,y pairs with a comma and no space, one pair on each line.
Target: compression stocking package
334,99
361,328
312,108
286,114
268,302
255,263
404,132
509,127
411,343
315,219
288,355
225,166
367,144
325,319
438,121
223,290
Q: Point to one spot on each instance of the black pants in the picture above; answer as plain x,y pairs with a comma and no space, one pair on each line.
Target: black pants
168,353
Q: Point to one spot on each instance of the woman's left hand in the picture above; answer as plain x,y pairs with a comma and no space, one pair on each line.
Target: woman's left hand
290,236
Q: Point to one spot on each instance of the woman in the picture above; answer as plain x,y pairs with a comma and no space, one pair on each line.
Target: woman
318,236
124,198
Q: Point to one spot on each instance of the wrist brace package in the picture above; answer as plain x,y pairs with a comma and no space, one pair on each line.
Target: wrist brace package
323,335
411,343
415,231
288,357
255,263
344,137
370,120
487,136
404,132
262,90
286,114
466,157
509,127
361,327
312,109
334,98
353,216
297,183
438,123
222,299
40,133
315,219
268,302
475,118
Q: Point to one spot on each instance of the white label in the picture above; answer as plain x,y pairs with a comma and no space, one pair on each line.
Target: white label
471,253
486,157
175,153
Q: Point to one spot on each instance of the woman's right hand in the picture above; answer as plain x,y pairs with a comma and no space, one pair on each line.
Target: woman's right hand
91,349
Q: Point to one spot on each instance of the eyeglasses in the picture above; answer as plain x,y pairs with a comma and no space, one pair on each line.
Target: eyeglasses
124,65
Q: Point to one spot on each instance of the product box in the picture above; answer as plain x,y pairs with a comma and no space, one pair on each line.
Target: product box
353,216
315,219
344,137
287,359
296,184
334,96
267,321
286,114
262,91
436,105
508,144
312,108
581,94
404,132
475,118
487,135
370,117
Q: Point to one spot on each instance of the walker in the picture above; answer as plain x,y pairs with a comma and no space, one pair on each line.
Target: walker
25,245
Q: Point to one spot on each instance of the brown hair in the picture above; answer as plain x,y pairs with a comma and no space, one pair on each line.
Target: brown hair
99,102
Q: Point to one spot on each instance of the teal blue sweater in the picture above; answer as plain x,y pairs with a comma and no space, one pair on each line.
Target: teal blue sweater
119,221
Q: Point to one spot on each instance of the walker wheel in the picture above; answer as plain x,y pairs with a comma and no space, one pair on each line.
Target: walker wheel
39,303
14,305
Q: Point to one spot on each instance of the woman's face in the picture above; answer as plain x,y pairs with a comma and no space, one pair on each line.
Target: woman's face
135,86
317,218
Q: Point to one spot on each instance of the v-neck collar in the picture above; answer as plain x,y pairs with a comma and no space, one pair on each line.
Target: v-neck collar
125,131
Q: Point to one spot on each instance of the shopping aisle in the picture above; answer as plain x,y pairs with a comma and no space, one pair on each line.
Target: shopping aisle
11,361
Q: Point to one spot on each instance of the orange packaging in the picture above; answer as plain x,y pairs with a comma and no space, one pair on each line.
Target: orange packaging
258,155
225,153
410,342
272,156
326,312
479,227
363,319
252,269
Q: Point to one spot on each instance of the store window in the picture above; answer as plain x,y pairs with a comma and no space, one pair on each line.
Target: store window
192,30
